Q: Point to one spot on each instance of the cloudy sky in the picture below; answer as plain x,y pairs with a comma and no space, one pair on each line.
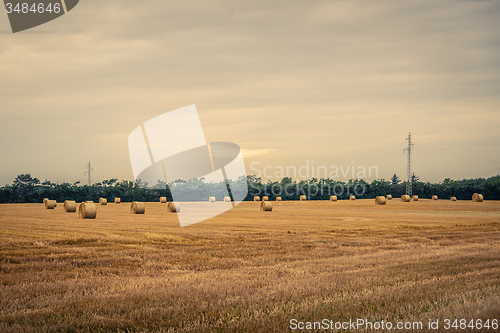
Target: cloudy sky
340,83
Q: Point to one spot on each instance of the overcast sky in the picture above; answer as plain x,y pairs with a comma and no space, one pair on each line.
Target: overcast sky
289,81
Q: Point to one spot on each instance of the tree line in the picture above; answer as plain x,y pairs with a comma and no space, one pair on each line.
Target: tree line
321,189
27,189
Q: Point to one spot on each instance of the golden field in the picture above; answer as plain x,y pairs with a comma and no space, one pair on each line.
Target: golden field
247,270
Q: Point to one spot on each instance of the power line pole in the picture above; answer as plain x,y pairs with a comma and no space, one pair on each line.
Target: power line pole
88,172
409,189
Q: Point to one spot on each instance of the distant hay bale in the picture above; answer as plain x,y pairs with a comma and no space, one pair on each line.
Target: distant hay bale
87,211
50,204
137,207
380,200
174,207
163,199
434,197
89,201
352,197
45,200
266,206
279,199
388,197
333,198
256,198
476,197
69,206
265,198
117,200
415,198
211,199
103,201
227,199
405,198
453,198
303,198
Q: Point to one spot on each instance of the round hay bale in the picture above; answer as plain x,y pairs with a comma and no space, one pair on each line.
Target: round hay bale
45,200
50,204
163,199
388,197
174,207
103,201
415,198
211,199
405,198
70,206
333,198
434,197
380,200
227,199
265,198
476,197
352,197
279,199
137,207
89,201
266,206
87,211
303,198
453,199
117,200
256,198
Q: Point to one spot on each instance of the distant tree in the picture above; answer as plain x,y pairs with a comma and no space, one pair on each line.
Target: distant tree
255,186
6,194
414,178
24,188
395,179
379,187
109,182
28,189
47,183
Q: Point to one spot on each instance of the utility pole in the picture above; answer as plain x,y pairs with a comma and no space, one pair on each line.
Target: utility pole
88,172
408,169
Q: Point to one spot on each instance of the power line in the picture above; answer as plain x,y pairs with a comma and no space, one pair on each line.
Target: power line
460,149
455,155
408,169
342,155
88,172
459,144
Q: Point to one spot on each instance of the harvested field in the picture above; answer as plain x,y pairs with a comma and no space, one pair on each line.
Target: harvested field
248,271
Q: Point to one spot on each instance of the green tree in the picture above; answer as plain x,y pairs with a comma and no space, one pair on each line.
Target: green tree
24,188
28,189
395,179
414,178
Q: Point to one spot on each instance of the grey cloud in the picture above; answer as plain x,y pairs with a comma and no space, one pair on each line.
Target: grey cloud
305,78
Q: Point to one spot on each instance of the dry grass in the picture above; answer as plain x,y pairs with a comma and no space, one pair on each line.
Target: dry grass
245,270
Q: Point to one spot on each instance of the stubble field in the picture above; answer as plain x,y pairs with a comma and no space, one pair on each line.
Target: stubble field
247,270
